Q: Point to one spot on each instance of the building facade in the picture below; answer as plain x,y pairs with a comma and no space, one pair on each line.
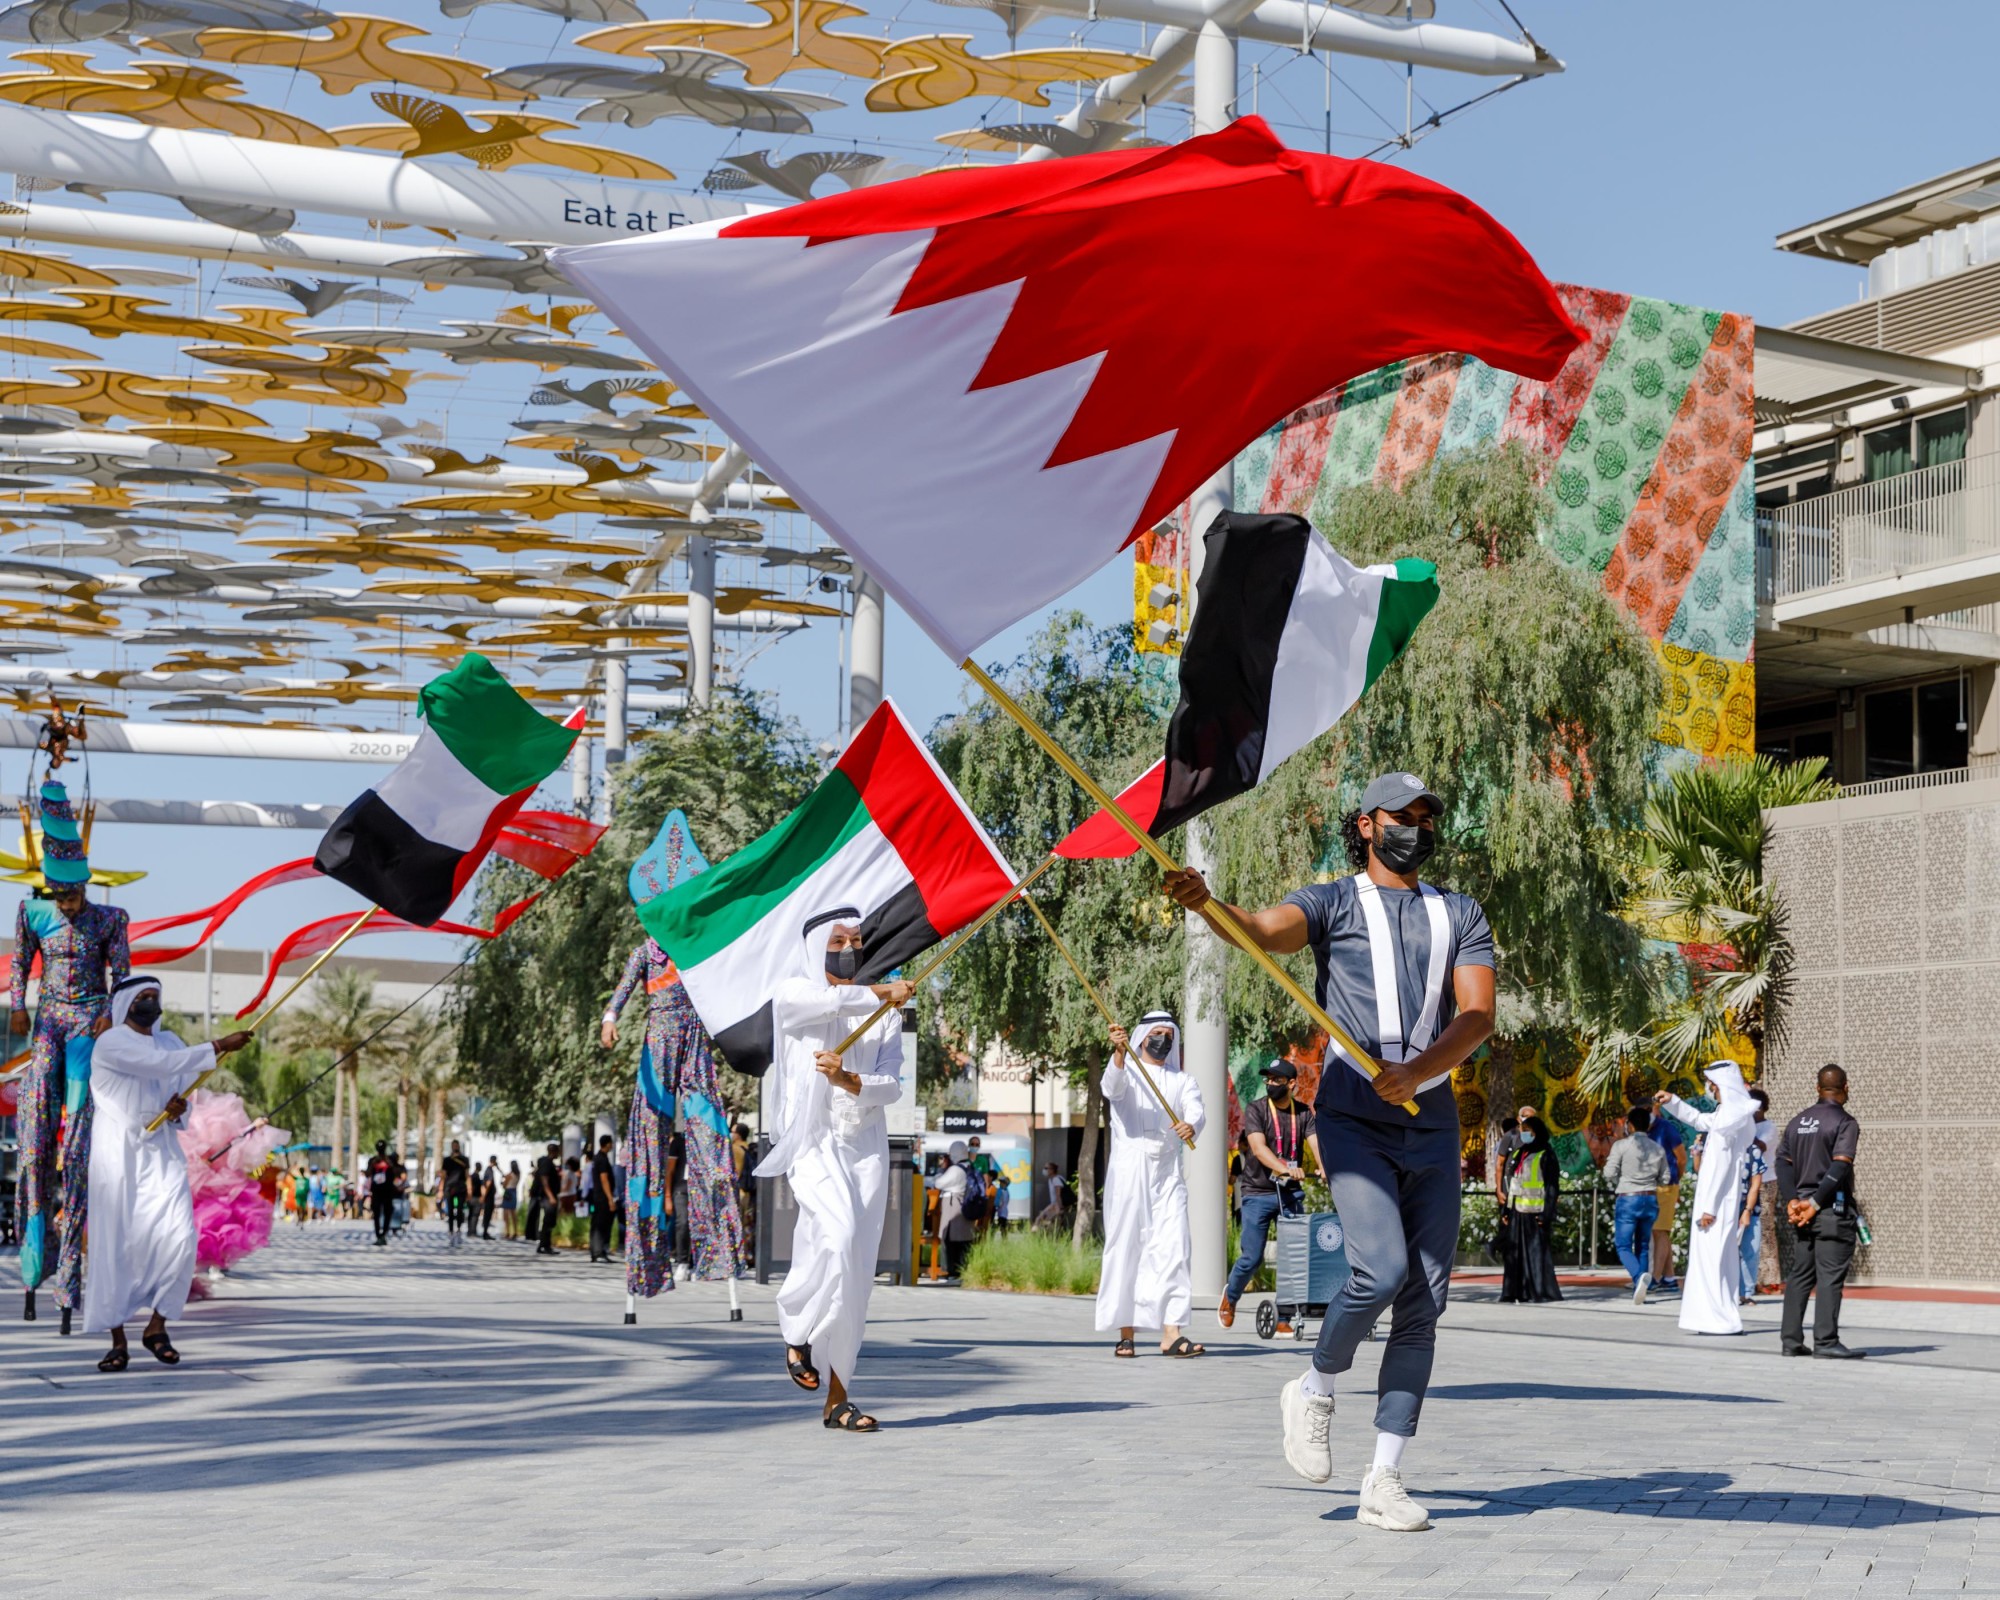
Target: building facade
1894,900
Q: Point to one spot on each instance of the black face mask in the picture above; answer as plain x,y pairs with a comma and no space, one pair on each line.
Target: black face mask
145,1011
842,965
1156,1047
1403,848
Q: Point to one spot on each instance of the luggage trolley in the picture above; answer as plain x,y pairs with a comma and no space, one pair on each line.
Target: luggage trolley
1312,1265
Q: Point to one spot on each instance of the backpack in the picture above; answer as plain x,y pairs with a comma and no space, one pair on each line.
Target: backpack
973,1206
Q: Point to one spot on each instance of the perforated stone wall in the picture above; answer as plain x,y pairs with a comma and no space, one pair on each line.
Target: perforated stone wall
1894,902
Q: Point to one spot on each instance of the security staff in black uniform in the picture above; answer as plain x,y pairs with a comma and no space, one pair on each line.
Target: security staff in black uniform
1816,1183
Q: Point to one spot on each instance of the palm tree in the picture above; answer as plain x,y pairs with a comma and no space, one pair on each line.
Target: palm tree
1697,878
339,1015
426,1063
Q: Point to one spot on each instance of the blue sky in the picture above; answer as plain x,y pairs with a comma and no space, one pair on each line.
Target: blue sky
1682,138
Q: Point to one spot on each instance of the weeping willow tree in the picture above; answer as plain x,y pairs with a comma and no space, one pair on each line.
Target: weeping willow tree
1009,984
529,1004
1527,700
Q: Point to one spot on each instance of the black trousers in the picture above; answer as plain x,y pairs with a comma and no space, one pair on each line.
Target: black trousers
454,1211
1821,1254
600,1230
381,1207
486,1215
545,1238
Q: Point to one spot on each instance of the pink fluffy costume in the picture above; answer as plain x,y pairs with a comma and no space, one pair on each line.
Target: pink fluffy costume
232,1216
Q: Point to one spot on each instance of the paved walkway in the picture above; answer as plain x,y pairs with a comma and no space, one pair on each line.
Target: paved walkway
424,1421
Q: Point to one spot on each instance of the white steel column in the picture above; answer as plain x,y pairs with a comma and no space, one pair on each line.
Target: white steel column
614,723
1204,1019
864,670
701,621
579,773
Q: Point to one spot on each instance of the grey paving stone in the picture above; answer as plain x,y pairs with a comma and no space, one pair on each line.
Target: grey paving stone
418,1421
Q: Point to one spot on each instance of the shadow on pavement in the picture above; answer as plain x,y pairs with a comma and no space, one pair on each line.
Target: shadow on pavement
1695,1497
1565,1391
1041,1408
986,1585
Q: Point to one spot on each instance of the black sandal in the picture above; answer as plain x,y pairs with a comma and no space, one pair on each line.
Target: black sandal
1125,1350
801,1367
162,1348
1184,1349
849,1418
115,1360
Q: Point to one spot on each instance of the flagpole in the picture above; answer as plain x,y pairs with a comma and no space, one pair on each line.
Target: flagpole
1215,908
1103,1010
264,1016
949,949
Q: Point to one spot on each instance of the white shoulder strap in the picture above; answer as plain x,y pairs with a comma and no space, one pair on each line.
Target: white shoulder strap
1436,973
1382,957
1396,1046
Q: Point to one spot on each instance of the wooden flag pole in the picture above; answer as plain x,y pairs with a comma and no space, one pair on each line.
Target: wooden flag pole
1103,1010
949,949
264,1016
1153,848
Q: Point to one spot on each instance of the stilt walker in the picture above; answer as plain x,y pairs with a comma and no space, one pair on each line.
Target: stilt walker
84,954
676,1074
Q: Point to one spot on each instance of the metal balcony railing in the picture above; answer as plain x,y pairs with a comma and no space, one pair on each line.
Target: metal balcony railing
1978,767
1926,518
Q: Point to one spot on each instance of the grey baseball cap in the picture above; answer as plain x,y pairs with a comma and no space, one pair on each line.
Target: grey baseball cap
1394,790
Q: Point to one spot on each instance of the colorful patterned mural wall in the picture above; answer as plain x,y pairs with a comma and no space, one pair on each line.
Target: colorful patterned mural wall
1646,437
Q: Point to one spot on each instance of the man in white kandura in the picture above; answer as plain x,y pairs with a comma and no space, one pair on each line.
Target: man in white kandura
141,1250
1146,1280
1709,1287
833,1143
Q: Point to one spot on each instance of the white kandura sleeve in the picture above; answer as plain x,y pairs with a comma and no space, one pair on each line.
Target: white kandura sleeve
1193,1112
800,1005
882,1083
171,1065
1117,1080
1681,1111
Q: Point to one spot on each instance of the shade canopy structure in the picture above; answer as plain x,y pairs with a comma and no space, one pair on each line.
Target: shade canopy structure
294,409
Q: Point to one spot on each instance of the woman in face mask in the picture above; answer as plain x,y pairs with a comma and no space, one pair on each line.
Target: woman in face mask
1146,1281
142,1232
1530,1181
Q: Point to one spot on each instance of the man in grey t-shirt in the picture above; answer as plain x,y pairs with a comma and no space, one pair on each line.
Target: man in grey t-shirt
1394,1175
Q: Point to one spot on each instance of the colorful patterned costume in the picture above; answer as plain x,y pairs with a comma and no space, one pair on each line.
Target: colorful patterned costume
677,1063
81,962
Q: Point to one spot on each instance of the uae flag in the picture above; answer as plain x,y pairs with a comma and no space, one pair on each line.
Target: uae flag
885,833
412,842
984,384
1287,635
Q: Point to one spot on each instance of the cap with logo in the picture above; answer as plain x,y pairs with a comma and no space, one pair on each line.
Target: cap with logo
1279,1069
1394,790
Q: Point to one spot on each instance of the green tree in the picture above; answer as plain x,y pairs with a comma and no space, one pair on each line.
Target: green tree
1528,699
527,1008
1009,984
337,1017
1697,879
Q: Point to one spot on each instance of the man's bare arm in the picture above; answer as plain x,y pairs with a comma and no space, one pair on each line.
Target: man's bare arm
1281,929
1472,988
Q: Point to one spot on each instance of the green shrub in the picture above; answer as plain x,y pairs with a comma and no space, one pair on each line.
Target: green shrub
1029,1262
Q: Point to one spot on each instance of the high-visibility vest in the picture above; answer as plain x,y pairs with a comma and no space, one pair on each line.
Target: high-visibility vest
1525,1189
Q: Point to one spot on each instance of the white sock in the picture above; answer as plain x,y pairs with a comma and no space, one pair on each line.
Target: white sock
1316,1382
1389,1449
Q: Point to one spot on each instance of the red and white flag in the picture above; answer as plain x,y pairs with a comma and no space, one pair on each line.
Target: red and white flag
985,384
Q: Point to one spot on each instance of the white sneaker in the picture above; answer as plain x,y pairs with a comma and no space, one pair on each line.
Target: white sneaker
1308,1423
1385,1504
1639,1289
